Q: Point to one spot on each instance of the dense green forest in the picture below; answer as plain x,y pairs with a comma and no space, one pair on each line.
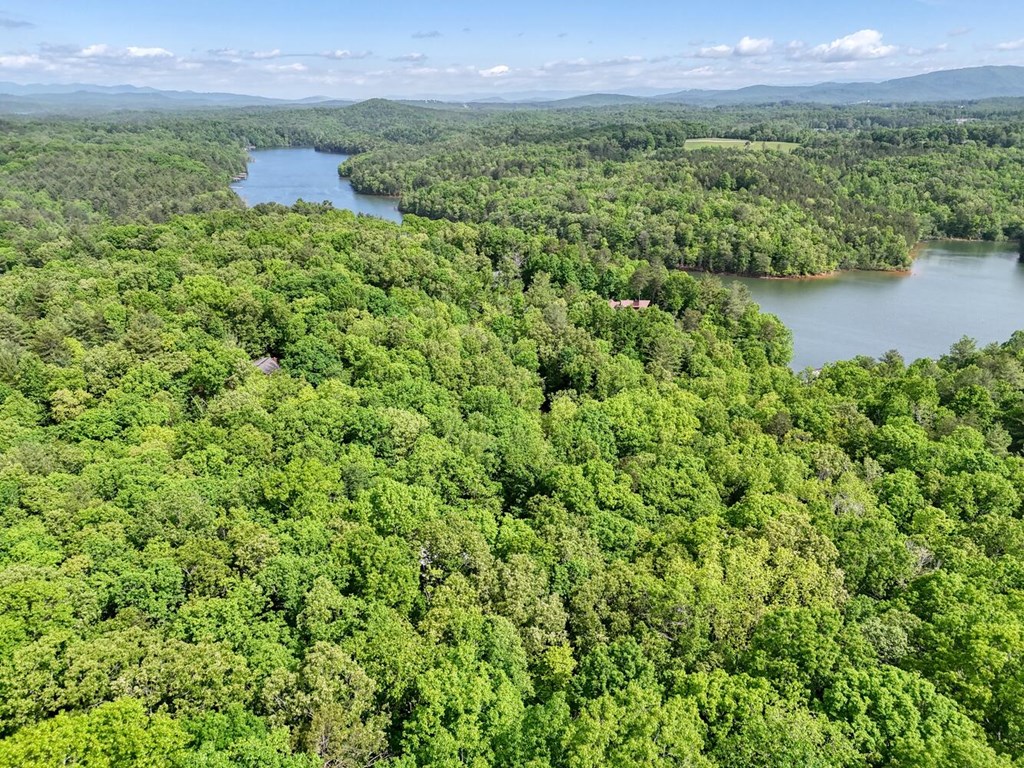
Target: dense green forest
479,517
841,200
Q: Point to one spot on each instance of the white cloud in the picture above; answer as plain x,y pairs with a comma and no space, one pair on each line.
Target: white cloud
21,61
99,49
296,67
234,53
340,55
860,46
104,51
1012,45
425,35
715,52
411,57
497,71
753,46
136,52
747,46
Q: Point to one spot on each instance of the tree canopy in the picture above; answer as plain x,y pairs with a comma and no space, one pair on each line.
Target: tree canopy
479,517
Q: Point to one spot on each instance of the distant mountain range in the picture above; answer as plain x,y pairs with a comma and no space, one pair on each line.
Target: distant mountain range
970,84
86,97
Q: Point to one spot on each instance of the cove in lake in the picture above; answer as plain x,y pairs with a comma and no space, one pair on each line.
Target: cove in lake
955,289
288,175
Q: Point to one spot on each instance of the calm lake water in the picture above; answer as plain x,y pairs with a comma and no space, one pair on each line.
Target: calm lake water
954,290
287,175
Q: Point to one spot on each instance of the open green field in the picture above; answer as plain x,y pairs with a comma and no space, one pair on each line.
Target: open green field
784,146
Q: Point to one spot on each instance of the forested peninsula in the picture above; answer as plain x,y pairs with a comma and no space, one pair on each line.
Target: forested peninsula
480,516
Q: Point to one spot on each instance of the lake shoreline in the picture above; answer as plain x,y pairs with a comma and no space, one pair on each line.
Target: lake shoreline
249,158
796,278
368,194
285,175
915,251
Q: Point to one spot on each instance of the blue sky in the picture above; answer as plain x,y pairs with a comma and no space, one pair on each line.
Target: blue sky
400,48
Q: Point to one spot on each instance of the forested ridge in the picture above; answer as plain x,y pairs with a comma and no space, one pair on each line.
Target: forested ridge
855,199
479,517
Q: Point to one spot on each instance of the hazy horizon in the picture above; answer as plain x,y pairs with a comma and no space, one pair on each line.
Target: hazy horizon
554,94
405,50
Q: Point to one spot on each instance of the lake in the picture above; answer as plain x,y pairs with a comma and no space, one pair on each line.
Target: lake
287,175
954,289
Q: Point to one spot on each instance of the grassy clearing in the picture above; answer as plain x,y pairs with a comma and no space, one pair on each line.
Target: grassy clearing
782,146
